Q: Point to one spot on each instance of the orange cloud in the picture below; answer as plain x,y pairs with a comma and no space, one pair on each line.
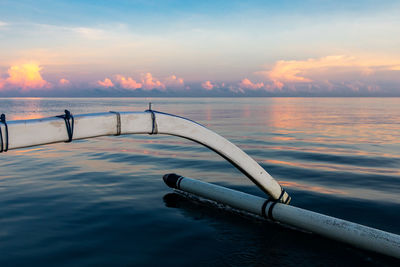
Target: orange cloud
26,76
127,83
173,81
324,69
207,85
64,82
150,83
106,83
247,84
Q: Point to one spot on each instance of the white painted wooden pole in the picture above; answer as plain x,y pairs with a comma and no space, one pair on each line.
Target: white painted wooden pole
354,234
26,133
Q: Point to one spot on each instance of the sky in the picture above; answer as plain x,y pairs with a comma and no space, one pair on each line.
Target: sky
199,48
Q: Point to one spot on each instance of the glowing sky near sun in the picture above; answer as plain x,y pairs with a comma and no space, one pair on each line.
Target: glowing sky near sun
235,47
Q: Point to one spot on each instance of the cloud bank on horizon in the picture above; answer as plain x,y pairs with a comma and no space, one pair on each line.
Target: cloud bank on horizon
329,74
186,48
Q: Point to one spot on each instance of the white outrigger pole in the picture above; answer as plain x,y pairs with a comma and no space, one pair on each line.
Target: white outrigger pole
26,133
65,128
352,233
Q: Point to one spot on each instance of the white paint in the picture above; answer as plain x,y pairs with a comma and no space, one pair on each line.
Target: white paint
355,234
27,133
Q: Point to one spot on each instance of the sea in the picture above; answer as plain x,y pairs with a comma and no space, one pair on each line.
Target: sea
102,201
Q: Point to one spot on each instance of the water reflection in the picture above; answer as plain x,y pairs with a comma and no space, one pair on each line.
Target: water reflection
335,156
317,189
284,115
27,108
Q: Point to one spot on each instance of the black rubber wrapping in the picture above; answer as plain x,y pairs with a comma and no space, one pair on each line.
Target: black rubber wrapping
288,200
154,129
270,211
178,184
3,120
69,124
271,207
118,122
281,195
263,207
172,180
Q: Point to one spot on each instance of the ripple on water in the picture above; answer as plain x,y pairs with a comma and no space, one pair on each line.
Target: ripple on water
102,201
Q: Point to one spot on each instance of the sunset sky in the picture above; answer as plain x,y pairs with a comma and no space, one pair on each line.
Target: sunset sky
199,48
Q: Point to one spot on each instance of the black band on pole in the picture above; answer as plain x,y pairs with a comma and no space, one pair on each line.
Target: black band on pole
3,120
270,210
281,195
118,122
153,118
269,214
178,183
68,118
263,207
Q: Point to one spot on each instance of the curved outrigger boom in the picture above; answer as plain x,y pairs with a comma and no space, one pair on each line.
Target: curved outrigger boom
26,133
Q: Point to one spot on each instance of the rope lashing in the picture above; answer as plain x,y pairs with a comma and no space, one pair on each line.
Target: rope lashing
68,118
3,120
153,119
118,121
272,202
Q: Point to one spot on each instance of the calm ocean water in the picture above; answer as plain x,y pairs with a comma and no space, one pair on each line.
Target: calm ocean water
103,202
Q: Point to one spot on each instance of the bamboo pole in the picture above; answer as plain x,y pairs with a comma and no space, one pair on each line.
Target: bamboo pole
348,232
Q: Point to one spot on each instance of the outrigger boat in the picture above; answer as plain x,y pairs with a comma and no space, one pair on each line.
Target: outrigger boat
66,128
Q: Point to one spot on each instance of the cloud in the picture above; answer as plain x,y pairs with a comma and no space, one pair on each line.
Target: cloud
106,83
64,82
25,77
294,71
327,70
174,82
2,23
127,83
247,84
150,83
207,85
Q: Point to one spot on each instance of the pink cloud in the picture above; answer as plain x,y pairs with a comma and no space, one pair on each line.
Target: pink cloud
106,83
64,82
207,85
127,83
174,82
247,84
315,71
150,83
26,77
